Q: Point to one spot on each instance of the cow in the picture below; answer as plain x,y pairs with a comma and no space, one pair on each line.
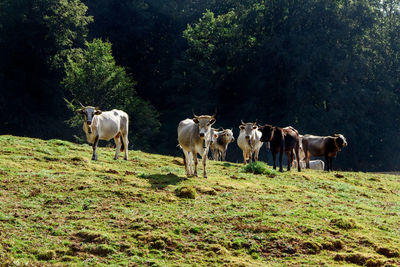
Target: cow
249,141
194,138
105,125
282,140
314,164
323,146
220,143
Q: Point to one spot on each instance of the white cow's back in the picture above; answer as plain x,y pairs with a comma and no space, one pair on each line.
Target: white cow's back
110,123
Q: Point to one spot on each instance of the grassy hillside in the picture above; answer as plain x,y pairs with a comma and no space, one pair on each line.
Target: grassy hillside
57,206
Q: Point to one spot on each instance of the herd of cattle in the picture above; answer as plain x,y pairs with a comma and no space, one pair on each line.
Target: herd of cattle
196,136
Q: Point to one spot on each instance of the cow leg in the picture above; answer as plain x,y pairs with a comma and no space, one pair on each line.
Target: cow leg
327,163
95,143
188,163
330,163
308,156
195,163
297,157
244,157
281,157
224,155
118,145
289,159
124,137
256,154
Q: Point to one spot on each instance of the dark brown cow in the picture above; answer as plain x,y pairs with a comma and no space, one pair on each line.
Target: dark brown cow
282,140
318,146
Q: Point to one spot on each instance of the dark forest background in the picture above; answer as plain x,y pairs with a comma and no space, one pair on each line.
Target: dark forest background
322,66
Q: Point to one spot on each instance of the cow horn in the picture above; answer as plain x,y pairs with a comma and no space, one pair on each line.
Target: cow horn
242,122
81,104
194,115
215,113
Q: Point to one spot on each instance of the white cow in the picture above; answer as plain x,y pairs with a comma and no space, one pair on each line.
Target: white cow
194,138
220,143
99,125
314,164
249,141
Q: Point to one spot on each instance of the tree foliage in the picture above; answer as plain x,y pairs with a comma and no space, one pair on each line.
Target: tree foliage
35,37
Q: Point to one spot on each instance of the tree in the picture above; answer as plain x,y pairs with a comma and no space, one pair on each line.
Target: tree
93,78
35,37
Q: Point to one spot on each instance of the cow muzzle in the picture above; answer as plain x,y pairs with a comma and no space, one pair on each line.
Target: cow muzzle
201,135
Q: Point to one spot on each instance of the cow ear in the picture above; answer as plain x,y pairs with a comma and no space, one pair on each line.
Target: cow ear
80,111
212,121
97,112
196,120
241,127
215,135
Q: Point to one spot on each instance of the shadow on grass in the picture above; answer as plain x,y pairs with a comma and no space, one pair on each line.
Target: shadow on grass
223,163
160,181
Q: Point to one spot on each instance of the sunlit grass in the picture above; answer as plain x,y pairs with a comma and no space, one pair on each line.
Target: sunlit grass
59,207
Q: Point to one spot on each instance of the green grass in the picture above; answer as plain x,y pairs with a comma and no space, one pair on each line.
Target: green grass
59,207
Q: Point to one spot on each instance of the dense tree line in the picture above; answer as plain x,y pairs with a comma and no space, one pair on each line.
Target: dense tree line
321,66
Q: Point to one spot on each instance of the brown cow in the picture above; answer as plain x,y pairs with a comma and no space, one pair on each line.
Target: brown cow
318,146
282,140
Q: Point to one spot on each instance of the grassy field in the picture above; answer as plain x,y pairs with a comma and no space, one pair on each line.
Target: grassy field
59,207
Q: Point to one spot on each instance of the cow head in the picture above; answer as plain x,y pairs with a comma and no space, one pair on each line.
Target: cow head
267,132
226,136
248,129
204,123
340,141
88,113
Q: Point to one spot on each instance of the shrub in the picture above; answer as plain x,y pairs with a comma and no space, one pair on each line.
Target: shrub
259,167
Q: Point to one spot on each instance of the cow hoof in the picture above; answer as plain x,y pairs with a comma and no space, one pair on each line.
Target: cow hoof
115,158
93,158
280,170
125,158
205,176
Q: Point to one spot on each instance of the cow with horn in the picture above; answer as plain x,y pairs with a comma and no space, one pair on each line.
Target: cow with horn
194,138
249,141
105,125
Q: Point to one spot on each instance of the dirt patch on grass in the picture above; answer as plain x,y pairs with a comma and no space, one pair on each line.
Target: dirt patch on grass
256,228
92,237
34,192
359,259
112,171
334,245
100,250
388,252
311,247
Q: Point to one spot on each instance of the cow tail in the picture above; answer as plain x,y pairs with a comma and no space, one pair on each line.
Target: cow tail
122,145
184,158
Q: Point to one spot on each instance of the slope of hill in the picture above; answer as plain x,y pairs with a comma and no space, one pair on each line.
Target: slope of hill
59,207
